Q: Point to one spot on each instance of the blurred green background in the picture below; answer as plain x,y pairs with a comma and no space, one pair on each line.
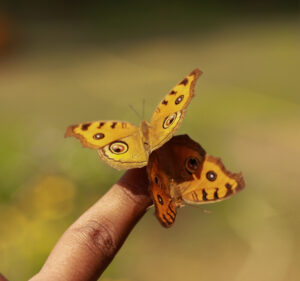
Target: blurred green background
66,62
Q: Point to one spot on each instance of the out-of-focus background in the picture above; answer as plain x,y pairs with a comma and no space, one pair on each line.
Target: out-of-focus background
65,62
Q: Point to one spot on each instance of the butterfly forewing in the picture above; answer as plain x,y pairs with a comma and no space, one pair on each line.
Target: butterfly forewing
97,134
170,112
215,183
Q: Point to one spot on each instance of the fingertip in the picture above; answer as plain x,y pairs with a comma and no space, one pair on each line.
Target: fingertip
2,278
136,180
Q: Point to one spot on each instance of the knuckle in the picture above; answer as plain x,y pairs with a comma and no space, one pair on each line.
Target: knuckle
98,237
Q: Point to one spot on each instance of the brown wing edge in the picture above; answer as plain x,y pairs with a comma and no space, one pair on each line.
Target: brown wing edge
187,141
196,73
70,133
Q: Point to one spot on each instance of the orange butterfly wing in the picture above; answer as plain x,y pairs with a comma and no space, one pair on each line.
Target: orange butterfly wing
165,168
181,172
214,184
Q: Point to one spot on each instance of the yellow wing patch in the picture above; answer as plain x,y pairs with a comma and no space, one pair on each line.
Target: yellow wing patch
169,114
215,183
100,133
125,153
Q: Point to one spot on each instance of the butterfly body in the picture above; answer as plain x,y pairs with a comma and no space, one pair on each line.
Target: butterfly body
181,173
123,145
145,132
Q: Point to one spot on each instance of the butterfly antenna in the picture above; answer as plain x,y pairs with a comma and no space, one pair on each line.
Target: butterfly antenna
206,211
137,114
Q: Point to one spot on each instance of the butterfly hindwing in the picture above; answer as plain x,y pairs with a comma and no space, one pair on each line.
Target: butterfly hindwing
169,114
180,172
125,153
165,209
167,165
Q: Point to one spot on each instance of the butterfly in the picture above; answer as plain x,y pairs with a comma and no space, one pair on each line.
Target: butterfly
180,172
123,145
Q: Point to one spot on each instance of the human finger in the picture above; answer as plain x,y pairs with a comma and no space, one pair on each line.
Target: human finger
91,242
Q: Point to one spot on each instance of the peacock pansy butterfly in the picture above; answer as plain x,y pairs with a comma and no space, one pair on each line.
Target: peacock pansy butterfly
181,173
123,145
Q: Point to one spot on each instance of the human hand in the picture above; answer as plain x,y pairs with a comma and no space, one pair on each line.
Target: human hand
91,242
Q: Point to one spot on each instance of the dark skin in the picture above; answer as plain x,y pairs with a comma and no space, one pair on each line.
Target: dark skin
88,246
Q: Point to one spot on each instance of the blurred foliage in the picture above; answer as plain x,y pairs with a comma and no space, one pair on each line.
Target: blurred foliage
246,110
138,9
